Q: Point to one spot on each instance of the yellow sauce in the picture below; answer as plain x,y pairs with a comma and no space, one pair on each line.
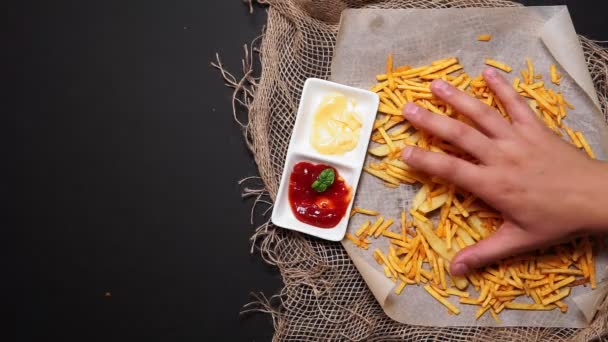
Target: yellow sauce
336,127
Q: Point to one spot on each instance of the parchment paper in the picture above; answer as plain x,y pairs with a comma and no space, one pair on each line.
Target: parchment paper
417,37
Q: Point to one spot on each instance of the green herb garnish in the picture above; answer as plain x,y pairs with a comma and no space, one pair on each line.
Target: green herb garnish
324,180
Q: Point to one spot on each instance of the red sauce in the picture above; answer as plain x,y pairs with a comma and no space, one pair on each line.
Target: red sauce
320,209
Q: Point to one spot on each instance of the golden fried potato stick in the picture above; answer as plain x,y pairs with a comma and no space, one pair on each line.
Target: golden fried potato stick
498,65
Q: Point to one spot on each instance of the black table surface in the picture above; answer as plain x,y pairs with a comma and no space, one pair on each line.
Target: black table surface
127,221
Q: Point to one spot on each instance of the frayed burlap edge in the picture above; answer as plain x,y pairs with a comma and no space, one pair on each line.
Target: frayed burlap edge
324,297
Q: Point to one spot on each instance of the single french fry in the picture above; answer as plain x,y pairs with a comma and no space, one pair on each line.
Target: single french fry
530,276
481,311
468,301
440,265
395,238
484,37
362,229
555,77
418,215
386,138
538,283
449,62
524,306
458,293
498,65
448,234
389,71
530,71
380,258
561,271
590,263
365,211
400,287
406,73
387,271
403,226
397,242
563,307
418,268
508,293
460,243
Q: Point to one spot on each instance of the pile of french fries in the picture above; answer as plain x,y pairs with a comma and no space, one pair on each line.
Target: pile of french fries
444,219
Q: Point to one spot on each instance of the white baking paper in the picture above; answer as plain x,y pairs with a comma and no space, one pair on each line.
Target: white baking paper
417,37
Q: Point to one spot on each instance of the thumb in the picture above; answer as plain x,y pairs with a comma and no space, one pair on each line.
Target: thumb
508,240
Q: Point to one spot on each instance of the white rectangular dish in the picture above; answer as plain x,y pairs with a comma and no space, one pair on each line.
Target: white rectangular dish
348,165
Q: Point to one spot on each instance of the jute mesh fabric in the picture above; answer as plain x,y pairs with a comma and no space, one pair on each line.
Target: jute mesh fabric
324,297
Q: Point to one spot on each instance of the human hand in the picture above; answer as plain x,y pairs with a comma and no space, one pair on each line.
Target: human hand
546,189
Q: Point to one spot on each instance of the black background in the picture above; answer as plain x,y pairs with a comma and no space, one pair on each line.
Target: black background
126,158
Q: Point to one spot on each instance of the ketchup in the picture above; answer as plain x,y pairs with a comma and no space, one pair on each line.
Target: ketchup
320,209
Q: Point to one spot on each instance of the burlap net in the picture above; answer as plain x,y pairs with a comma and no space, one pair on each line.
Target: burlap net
324,297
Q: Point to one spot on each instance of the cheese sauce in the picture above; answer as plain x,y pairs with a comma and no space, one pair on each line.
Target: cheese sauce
336,127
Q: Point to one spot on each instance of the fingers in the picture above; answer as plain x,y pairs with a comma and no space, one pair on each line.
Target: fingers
509,240
454,131
487,118
455,170
515,104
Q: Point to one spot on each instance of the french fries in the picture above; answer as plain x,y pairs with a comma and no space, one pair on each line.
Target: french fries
444,219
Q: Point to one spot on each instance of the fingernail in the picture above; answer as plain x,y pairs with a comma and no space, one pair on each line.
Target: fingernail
459,269
411,110
407,152
442,87
490,73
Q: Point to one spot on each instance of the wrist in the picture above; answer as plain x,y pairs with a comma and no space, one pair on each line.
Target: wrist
595,196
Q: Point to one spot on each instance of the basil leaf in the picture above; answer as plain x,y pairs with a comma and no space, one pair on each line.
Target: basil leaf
324,180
